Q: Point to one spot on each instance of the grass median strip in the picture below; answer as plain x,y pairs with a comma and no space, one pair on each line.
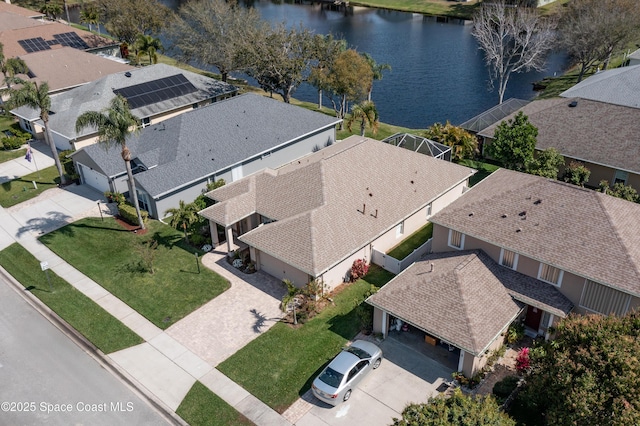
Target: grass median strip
203,407
103,330
118,260
280,365
21,189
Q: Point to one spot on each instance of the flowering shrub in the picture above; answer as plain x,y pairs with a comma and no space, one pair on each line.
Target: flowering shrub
359,269
522,361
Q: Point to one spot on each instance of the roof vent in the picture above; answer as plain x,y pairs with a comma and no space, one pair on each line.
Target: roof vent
573,104
470,214
127,74
519,230
522,213
503,216
538,201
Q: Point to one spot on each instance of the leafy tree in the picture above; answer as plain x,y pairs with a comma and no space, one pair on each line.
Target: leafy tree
52,9
458,409
591,30
367,114
620,190
463,144
513,39
290,298
148,45
377,71
91,16
114,125
514,142
183,217
147,250
590,373
125,19
576,173
281,59
326,49
546,163
215,33
348,79
37,97
10,67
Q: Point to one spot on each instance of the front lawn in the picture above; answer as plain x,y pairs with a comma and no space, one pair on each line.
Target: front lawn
280,365
203,407
12,154
97,325
412,242
110,255
21,189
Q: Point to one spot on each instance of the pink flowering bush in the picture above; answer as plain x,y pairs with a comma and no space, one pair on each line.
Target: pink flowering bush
359,269
522,361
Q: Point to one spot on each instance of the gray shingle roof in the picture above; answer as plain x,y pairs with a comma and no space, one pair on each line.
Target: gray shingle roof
318,200
585,232
210,139
592,131
462,301
95,96
619,86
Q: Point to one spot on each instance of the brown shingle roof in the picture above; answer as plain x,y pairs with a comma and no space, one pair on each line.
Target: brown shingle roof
462,301
592,131
585,232
317,201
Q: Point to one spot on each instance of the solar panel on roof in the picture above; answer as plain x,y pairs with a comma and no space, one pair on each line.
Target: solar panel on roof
31,45
71,39
155,91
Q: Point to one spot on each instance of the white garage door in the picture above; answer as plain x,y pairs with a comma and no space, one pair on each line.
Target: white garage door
94,179
280,270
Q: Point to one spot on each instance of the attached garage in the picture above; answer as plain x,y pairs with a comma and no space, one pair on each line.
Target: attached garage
93,178
281,270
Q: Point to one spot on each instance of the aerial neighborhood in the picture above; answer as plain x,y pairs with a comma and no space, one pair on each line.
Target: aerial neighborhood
228,254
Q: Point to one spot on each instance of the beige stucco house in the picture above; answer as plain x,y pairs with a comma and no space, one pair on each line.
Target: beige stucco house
312,218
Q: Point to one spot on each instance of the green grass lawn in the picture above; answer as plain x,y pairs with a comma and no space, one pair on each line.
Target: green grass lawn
109,254
103,330
280,365
484,169
203,407
21,189
412,242
431,7
10,155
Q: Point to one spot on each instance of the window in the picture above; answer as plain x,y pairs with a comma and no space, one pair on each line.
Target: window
604,300
509,259
550,274
399,229
456,239
146,122
620,177
429,210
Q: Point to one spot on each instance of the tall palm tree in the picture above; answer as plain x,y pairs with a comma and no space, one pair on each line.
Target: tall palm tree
148,45
184,216
89,15
114,124
37,97
11,66
377,71
367,114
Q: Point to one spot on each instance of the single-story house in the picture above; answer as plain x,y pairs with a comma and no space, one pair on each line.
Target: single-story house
154,93
175,160
604,136
311,219
618,86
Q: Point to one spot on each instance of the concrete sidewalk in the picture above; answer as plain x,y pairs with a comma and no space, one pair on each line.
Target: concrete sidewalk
40,159
163,368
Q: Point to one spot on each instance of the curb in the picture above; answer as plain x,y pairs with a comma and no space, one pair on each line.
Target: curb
93,351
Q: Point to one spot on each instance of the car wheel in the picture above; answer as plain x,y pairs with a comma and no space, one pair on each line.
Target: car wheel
347,395
377,363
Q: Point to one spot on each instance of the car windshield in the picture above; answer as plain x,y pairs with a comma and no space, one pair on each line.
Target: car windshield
331,377
358,352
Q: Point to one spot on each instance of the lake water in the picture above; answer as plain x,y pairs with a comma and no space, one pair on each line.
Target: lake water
437,74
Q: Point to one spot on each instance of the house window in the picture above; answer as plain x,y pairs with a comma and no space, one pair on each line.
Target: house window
620,177
509,259
146,122
27,126
550,274
429,210
604,300
456,239
400,229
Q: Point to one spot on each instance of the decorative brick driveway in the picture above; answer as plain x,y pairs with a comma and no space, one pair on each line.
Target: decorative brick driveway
227,323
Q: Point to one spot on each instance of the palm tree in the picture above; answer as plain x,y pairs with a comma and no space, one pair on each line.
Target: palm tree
114,124
377,71
463,144
367,113
37,97
89,15
184,216
51,9
148,45
11,66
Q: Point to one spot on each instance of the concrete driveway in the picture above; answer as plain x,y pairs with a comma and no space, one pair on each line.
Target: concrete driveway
405,376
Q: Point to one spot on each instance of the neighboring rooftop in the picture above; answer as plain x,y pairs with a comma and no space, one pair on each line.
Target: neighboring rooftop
619,86
584,232
201,142
331,203
12,9
493,115
462,300
96,95
585,130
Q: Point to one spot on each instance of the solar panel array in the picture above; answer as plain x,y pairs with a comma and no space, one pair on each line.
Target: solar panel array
72,40
155,91
31,45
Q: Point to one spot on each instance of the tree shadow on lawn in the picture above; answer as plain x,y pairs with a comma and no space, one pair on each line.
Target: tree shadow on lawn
168,241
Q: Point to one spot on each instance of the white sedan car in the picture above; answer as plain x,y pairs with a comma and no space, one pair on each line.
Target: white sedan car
345,371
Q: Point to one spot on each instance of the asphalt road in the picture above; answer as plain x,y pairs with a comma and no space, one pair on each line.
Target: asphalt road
45,378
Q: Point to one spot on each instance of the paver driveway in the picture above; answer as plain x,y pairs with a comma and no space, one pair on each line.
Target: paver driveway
227,323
